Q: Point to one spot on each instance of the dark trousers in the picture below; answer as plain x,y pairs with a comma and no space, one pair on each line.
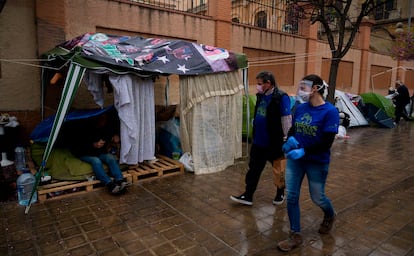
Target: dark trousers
258,159
400,112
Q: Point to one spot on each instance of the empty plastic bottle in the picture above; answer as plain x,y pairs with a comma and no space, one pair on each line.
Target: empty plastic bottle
20,158
25,183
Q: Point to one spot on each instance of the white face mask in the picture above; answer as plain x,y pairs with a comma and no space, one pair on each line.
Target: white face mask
325,92
303,96
259,88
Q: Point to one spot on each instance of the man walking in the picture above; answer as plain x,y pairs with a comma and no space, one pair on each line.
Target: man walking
401,100
272,121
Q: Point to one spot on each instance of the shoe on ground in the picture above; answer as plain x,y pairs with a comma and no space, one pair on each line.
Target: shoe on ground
242,199
123,184
114,188
327,225
293,241
280,196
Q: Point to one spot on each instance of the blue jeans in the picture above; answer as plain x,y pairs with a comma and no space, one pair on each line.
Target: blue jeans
98,168
316,174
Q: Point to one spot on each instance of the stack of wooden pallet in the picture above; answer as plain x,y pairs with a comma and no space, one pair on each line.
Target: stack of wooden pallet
163,167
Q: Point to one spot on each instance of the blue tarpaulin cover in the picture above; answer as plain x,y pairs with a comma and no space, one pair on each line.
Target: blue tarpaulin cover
42,131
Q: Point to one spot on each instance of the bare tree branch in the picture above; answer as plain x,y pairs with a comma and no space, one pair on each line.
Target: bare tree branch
326,11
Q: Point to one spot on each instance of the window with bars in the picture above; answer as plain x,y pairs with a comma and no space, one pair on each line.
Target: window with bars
276,15
382,11
261,19
193,6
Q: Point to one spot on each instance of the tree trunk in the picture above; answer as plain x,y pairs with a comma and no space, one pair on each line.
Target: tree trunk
332,79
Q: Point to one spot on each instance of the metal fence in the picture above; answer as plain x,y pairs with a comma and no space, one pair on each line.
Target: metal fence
277,15
199,7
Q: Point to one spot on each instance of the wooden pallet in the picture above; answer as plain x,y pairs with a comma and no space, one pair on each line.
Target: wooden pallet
63,189
163,167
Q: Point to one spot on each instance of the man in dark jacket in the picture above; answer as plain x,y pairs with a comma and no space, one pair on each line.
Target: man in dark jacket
401,100
272,121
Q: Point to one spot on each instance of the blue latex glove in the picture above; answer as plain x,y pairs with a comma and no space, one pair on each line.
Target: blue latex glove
290,144
295,154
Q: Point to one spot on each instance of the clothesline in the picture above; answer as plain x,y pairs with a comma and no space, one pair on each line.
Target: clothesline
23,62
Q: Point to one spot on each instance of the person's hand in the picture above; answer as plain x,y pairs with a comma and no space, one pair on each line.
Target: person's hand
116,139
290,144
295,154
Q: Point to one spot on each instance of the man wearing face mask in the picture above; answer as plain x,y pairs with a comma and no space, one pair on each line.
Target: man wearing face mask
272,121
314,126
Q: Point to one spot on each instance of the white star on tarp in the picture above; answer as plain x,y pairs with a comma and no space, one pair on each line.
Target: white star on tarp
182,68
163,59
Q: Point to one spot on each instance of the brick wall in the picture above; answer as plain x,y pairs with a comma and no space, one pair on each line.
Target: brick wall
35,26
51,22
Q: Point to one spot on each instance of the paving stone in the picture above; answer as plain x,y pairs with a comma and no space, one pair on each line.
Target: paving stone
370,182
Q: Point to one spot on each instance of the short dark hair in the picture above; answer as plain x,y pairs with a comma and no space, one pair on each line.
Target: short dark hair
316,80
267,76
97,136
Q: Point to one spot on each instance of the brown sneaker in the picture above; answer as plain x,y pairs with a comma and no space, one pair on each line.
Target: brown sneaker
327,225
294,240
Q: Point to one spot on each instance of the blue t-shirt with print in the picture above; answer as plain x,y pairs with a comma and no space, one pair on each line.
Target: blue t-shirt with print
310,123
261,136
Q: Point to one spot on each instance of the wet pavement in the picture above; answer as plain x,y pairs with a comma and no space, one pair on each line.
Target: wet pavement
371,184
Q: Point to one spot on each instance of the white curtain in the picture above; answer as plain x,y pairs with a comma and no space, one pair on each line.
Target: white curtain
134,100
211,120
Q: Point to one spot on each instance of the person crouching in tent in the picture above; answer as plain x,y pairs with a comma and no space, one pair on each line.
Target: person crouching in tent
93,149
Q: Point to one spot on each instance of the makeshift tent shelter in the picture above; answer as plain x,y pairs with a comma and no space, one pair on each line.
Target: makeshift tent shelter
378,109
62,164
210,92
344,104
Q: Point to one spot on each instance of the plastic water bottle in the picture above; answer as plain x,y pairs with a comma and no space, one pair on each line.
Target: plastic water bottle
20,158
25,183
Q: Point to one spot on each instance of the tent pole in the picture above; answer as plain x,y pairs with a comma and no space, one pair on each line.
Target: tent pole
42,95
72,82
167,91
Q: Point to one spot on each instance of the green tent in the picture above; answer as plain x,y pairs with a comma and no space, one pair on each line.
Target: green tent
379,110
380,102
247,118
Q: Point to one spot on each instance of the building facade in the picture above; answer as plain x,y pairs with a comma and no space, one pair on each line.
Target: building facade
269,32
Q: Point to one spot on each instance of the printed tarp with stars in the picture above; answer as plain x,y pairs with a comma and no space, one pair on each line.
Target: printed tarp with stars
155,55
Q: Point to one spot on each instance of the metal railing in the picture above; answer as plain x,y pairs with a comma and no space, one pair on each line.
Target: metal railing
199,7
277,15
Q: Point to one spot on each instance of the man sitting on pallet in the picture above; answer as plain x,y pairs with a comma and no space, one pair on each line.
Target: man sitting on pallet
95,152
